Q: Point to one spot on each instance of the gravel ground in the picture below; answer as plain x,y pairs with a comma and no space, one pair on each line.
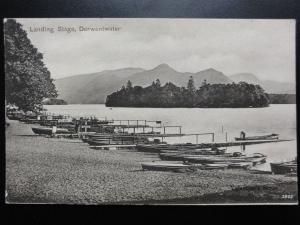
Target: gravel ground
58,170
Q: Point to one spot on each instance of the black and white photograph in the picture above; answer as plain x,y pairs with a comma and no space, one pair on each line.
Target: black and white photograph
152,111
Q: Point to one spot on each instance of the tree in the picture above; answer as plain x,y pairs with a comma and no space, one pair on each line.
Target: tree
128,85
191,85
204,82
27,79
169,95
157,83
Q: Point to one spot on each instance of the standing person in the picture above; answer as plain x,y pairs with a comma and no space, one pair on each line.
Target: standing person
243,135
76,126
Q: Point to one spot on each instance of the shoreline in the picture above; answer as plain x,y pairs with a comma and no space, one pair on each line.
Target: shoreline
61,171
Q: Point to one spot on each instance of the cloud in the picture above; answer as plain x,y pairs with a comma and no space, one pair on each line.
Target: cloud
263,47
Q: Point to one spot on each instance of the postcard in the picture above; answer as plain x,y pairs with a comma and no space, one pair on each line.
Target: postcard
150,111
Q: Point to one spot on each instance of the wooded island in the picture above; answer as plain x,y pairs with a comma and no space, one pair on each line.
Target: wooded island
234,95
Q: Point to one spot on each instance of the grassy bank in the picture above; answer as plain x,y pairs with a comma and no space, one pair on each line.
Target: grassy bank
45,170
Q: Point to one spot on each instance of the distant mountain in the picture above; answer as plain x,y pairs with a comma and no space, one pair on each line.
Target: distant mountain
93,88
246,77
273,87
212,76
165,73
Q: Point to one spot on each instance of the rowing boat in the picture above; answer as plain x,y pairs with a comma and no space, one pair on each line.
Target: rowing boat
49,131
243,165
263,137
165,166
255,159
211,166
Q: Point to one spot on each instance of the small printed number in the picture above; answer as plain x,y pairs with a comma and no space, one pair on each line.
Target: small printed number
287,196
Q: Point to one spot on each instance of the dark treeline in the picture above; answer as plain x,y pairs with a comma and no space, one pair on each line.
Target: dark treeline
282,98
232,95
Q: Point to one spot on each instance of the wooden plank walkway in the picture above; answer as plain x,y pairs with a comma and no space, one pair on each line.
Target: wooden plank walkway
145,135
237,143
201,145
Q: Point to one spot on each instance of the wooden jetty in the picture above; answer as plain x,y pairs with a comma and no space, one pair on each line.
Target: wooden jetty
179,147
133,138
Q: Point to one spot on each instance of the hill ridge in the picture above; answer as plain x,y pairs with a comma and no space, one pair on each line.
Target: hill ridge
93,88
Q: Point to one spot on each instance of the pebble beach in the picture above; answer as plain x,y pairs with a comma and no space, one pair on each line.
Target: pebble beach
67,171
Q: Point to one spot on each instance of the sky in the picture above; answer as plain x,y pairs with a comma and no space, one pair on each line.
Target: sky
265,48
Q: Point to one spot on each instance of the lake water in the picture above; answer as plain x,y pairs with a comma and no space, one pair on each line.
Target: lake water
280,119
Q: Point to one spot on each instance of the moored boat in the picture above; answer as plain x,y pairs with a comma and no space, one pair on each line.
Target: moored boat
262,137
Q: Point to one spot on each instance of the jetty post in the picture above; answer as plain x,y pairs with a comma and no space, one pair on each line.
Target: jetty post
226,136
213,137
85,126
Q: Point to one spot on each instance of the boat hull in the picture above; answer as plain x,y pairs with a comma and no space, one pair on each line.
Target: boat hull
264,137
48,131
165,167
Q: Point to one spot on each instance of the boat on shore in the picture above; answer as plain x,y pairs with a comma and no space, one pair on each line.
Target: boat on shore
203,151
15,115
179,155
258,171
211,166
168,147
262,137
242,165
110,140
256,158
284,167
165,166
179,166
49,131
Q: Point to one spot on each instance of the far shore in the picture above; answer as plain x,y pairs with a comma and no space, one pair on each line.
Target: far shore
65,171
